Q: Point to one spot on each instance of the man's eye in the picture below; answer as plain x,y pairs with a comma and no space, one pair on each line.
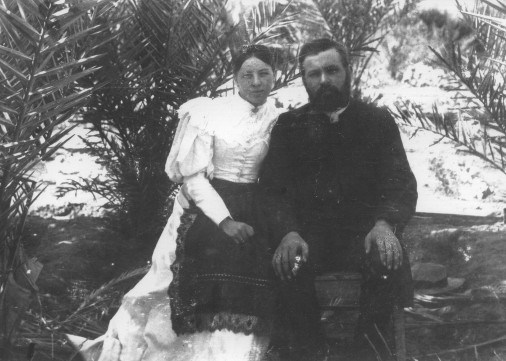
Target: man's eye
313,74
247,76
332,70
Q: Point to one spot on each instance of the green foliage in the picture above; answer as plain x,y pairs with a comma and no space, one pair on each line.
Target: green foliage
45,49
479,122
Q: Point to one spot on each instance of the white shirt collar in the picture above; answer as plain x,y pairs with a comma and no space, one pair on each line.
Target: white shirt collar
334,116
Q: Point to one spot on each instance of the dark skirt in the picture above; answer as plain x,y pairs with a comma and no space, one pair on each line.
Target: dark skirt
219,284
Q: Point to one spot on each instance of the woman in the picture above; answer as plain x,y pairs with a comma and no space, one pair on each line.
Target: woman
223,292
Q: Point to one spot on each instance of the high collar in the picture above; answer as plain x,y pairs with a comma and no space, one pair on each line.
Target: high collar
246,106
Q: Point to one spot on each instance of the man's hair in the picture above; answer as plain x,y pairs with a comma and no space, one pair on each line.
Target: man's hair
253,51
319,45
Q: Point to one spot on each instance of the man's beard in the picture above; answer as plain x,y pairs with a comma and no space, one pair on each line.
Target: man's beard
329,98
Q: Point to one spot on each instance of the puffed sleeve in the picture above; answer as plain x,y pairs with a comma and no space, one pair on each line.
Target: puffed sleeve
191,155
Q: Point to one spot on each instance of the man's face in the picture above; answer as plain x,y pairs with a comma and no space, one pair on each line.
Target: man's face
326,80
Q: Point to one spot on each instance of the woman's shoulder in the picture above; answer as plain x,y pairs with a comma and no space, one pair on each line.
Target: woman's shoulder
199,113
196,105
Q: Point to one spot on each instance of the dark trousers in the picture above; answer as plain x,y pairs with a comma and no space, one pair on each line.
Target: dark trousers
334,249
298,334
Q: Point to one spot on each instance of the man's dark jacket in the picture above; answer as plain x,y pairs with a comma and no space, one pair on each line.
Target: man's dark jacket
350,173
331,182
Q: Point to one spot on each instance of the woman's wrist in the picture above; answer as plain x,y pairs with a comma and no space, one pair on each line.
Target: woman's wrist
224,222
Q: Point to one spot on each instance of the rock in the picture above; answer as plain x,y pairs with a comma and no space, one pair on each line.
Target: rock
430,273
432,278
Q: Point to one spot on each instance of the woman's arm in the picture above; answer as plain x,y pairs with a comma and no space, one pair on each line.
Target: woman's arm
209,201
206,198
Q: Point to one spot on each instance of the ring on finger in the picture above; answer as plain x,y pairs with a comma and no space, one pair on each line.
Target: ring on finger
295,268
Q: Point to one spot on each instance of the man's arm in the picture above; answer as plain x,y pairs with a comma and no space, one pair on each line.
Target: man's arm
397,194
276,182
396,183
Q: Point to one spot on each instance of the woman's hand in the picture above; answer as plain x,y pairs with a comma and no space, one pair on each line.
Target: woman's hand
240,232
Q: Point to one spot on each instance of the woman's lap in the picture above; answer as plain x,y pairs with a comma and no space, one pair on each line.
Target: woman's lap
143,328
217,275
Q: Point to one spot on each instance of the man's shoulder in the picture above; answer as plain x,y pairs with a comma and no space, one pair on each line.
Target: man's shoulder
293,116
368,114
365,107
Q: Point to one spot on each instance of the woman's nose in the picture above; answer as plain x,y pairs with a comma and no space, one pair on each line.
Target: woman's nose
256,79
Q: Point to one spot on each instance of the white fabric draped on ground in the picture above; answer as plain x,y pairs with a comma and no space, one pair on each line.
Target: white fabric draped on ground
142,330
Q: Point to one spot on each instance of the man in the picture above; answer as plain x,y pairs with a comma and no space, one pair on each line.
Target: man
340,189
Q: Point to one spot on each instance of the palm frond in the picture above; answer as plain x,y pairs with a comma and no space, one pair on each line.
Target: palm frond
40,67
479,121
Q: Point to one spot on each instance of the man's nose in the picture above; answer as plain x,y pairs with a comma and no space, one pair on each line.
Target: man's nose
324,78
256,79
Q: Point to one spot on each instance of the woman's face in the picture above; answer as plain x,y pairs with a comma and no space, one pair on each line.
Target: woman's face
255,80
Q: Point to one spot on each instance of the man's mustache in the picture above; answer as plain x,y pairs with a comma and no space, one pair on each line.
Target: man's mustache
329,98
326,90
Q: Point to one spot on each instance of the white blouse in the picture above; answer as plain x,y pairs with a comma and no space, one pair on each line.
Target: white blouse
226,138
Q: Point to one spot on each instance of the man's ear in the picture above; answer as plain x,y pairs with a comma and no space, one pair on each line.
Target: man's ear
350,75
303,78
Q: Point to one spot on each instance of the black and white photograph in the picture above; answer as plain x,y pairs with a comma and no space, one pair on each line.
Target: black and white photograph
252,180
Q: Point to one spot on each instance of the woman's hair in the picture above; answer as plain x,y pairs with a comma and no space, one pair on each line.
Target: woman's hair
253,51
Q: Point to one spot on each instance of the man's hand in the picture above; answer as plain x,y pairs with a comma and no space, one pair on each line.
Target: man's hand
240,232
291,252
389,248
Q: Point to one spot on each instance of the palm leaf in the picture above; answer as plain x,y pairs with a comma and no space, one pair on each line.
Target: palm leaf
13,52
480,70
39,92
12,20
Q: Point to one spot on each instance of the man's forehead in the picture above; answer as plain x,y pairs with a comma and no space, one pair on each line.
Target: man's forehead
324,58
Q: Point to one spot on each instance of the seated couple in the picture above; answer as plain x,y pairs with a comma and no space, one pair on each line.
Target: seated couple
269,201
